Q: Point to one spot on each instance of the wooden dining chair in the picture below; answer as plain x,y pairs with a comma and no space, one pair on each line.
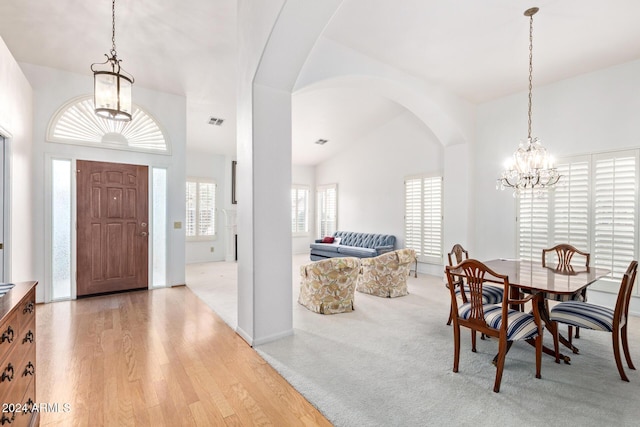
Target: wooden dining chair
495,320
490,294
564,253
592,316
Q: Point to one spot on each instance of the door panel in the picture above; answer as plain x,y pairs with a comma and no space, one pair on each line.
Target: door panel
112,227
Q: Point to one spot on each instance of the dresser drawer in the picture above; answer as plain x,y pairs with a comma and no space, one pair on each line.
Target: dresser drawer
26,310
8,334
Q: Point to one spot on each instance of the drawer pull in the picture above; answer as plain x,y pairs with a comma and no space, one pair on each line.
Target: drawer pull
8,335
28,337
29,407
29,370
28,308
8,373
6,420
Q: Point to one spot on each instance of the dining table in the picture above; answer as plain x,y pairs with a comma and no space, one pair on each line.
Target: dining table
548,282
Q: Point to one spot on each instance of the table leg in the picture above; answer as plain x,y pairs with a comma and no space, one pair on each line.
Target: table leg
543,309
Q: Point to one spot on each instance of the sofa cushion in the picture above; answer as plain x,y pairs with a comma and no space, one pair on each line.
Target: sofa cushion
356,252
365,240
325,247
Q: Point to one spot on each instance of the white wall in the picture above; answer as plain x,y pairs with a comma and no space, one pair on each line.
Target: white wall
370,175
16,122
213,167
53,88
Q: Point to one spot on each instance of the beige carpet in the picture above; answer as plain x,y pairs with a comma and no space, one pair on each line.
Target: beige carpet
389,362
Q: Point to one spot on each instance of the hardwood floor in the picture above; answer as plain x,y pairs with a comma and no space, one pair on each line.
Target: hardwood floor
155,358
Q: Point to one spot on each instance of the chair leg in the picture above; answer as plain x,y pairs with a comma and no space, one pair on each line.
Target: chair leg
556,341
539,355
502,353
456,346
450,315
570,331
577,332
625,347
473,340
616,354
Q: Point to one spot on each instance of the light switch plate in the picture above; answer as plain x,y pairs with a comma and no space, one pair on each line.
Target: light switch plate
177,224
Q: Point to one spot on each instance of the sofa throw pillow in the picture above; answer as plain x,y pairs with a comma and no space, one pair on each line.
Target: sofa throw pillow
336,240
327,239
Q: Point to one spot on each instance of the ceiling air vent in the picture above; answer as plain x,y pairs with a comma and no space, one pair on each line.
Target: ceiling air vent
215,121
322,141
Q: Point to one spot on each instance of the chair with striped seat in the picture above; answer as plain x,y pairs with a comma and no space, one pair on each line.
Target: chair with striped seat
496,320
490,294
592,316
565,253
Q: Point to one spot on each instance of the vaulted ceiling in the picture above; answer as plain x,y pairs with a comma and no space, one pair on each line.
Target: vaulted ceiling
477,50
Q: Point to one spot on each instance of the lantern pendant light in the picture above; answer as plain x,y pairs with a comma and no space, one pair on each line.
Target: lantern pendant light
111,84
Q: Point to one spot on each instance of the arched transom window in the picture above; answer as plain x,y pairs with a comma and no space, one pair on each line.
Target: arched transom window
76,123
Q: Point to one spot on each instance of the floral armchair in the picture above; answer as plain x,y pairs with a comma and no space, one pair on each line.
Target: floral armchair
328,286
386,275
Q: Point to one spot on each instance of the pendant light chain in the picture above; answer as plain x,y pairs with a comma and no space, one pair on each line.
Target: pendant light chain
530,69
530,169
111,84
113,28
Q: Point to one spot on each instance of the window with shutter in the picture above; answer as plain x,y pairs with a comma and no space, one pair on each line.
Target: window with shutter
570,205
201,209
594,208
327,210
423,217
299,209
615,212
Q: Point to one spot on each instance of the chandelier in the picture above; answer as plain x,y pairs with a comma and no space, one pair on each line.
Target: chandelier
111,84
531,166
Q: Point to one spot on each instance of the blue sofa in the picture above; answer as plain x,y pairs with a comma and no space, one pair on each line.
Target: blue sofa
351,244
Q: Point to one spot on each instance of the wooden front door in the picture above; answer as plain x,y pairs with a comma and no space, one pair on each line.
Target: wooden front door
113,227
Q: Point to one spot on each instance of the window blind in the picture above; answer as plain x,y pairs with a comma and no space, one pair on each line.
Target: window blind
570,206
615,212
594,208
299,209
327,208
533,225
201,209
423,217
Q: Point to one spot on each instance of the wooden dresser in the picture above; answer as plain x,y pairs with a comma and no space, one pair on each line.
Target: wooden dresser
18,356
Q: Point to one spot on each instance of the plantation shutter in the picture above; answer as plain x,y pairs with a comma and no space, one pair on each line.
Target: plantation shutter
413,215
615,183
327,207
299,207
570,208
191,201
432,231
206,208
533,224
423,217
